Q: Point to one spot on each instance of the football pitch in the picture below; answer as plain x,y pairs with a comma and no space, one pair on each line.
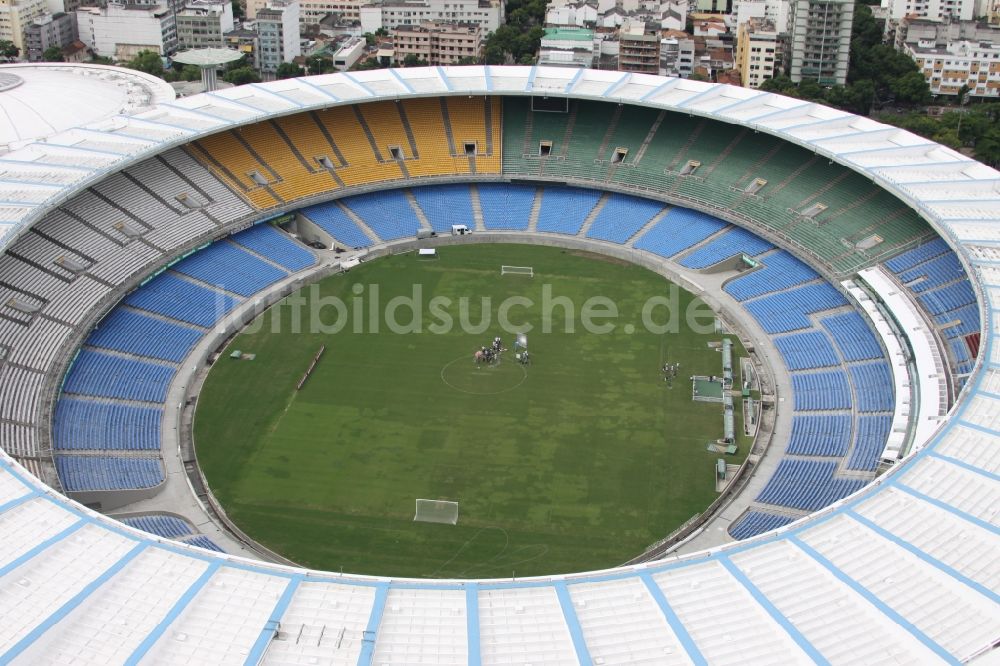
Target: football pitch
577,461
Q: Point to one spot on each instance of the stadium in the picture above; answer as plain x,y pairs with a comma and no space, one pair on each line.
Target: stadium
856,261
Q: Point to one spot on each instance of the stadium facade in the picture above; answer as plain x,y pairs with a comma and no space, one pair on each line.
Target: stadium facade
904,570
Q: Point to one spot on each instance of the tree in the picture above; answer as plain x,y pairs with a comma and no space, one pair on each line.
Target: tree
988,147
467,60
369,39
411,60
865,32
317,64
779,84
147,61
860,97
911,88
494,55
289,70
8,50
381,32
242,63
53,54
238,12
241,76
811,89
369,63
189,73
947,136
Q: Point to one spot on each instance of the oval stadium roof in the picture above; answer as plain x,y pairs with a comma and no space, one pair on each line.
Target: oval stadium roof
907,596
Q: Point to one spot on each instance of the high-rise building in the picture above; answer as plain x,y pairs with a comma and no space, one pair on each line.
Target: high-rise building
16,15
774,11
935,10
952,54
638,49
120,31
312,11
45,32
277,27
438,42
676,54
204,23
820,40
758,51
389,14
247,42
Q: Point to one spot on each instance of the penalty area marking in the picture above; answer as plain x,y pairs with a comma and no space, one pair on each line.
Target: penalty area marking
444,370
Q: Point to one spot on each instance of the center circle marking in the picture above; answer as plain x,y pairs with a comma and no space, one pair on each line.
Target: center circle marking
465,378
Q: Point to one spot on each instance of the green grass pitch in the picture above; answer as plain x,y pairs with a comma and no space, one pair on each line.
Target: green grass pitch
576,462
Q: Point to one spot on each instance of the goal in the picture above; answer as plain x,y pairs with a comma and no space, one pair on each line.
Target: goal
436,511
517,270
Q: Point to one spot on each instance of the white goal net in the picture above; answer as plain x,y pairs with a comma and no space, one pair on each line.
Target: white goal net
436,511
517,270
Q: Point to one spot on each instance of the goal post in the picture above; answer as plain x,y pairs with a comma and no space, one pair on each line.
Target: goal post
517,270
436,511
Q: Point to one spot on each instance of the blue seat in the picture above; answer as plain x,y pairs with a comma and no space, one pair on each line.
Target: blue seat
853,337
945,299
933,273
869,442
786,311
99,374
806,485
129,331
967,318
960,350
806,351
506,206
917,255
820,435
226,266
179,299
91,424
622,216
873,386
388,213
679,229
821,390
203,541
330,218
752,523
85,473
734,242
781,270
564,209
276,245
170,527
445,205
